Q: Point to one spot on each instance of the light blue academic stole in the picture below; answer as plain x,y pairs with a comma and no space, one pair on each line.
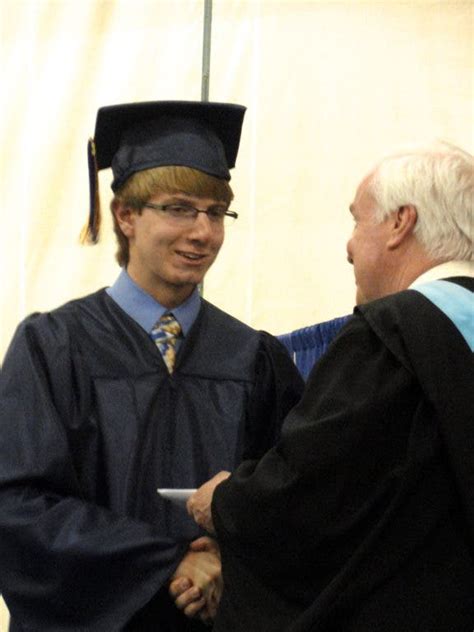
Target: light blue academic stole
455,301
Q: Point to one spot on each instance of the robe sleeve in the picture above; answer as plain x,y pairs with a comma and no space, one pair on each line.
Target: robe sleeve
66,562
278,387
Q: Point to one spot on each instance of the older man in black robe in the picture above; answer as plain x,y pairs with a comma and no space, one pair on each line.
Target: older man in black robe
361,518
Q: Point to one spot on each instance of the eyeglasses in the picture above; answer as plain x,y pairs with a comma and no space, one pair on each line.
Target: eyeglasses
184,213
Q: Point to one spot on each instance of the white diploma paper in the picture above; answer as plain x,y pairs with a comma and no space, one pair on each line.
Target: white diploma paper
177,496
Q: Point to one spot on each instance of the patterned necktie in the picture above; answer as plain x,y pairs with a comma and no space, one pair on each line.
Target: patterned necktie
164,334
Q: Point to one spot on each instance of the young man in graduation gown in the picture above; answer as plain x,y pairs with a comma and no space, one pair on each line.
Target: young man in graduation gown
361,518
141,386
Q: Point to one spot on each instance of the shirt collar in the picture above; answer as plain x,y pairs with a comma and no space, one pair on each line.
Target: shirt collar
145,310
446,270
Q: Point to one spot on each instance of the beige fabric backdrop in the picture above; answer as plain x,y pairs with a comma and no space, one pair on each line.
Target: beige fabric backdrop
329,86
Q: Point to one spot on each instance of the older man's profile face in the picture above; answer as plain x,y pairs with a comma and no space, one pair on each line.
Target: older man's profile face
366,248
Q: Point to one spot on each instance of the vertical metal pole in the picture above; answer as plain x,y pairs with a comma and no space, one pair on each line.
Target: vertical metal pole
206,50
206,69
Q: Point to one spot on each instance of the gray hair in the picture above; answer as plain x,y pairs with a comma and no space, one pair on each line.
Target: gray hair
438,180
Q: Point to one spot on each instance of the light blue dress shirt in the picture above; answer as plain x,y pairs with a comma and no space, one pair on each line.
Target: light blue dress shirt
146,311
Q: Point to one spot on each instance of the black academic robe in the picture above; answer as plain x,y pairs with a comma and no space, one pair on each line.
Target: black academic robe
91,424
361,519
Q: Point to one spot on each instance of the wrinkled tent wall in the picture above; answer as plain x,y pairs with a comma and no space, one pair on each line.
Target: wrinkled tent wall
329,86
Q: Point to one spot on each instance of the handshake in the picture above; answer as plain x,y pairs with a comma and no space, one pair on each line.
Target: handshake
196,585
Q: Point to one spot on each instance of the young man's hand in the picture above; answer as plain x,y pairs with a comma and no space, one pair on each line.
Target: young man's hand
196,585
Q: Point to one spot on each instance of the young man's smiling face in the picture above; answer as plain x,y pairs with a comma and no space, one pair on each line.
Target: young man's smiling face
168,256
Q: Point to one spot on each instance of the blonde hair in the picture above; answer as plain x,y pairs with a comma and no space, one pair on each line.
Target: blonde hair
143,185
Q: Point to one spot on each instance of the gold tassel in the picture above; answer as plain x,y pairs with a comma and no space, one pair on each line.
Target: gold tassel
90,231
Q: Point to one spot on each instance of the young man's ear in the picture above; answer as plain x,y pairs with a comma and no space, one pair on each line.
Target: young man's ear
124,216
403,224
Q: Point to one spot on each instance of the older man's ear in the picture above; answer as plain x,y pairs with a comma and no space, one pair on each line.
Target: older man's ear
403,225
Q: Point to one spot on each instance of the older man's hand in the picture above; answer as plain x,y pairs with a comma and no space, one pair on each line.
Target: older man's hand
199,504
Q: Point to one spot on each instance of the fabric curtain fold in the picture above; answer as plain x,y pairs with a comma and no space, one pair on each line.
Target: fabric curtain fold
308,344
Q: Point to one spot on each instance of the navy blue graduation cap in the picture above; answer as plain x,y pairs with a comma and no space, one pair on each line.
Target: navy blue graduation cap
137,136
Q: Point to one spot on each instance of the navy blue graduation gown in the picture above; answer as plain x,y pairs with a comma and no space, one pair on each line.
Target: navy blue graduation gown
91,424
361,518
